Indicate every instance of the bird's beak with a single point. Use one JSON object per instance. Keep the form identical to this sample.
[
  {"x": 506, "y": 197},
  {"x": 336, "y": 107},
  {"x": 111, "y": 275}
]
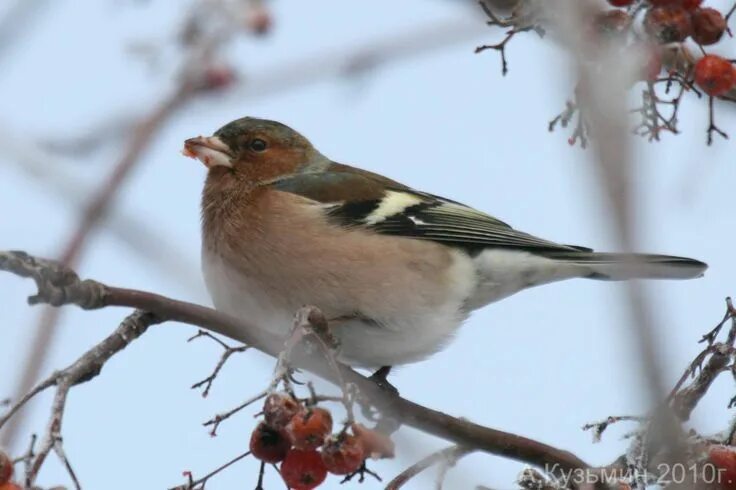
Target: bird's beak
[{"x": 209, "y": 150}]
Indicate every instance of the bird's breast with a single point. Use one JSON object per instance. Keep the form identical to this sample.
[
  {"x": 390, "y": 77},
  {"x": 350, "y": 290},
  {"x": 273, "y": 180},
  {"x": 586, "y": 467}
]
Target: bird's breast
[{"x": 392, "y": 299}]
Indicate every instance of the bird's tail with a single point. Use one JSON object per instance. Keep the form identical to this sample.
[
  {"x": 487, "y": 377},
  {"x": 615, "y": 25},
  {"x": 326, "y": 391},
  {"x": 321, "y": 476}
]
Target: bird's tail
[{"x": 618, "y": 267}]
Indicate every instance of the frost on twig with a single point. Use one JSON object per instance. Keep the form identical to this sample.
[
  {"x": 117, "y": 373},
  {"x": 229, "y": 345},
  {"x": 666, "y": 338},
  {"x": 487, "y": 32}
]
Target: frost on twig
[
  {"x": 228, "y": 351},
  {"x": 597, "y": 428},
  {"x": 531, "y": 479},
  {"x": 57, "y": 284}
]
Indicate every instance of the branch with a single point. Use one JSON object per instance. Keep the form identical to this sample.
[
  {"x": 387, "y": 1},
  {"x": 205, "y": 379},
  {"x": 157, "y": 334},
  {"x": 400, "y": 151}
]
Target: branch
[
  {"x": 56, "y": 282},
  {"x": 447, "y": 455},
  {"x": 200, "y": 482},
  {"x": 80, "y": 371},
  {"x": 143, "y": 135},
  {"x": 227, "y": 352}
]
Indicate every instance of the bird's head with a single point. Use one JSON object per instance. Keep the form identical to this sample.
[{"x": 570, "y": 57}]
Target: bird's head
[{"x": 254, "y": 150}]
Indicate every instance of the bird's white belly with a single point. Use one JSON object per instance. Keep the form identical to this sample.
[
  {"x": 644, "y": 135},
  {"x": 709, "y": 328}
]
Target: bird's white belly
[
  {"x": 234, "y": 294},
  {"x": 392, "y": 336}
]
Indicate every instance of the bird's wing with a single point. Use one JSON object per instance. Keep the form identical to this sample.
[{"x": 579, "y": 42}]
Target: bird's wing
[{"x": 355, "y": 198}]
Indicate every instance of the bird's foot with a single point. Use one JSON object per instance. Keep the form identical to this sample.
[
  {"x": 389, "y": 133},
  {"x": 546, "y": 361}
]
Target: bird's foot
[{"x": 380, "y": 378}]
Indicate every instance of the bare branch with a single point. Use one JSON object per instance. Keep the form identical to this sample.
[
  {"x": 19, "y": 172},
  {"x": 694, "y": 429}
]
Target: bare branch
[
  {"x": 220, "y": 417},
  {"x": 599, "y": 427},
  {"x": 452, "y": 453},
  {"x": 200, "y": 483},
  {"x": 228, "y": 351},
  {"x": 86, "y": 367},
  {"x": 685, "y": 401}
]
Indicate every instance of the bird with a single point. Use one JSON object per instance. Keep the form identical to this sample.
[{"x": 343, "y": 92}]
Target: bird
[{"x": 395, "y": 270}]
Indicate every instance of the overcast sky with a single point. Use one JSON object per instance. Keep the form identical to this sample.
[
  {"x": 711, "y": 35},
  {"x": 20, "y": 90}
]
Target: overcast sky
[{"x": 541, "y": 363}]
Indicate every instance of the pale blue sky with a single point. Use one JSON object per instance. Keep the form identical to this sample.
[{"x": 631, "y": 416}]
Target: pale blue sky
[{"x": 541, "y": 363}]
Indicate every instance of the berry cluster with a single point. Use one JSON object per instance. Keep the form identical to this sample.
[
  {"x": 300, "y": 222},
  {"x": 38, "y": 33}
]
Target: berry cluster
[
  {"x": 663, "y": 31},
  {"x": 674, "y": 21},
  {"x": 6, "y": 473},
  {"x": 299, "y": 436}
]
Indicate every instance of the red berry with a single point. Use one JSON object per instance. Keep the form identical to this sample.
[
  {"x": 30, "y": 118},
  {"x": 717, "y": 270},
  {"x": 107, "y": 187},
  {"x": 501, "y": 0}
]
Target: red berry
[
  {"x": 691, "y": 4},
  {"x": 375, "y": 444},
  {"x": 6, "y": 467},
  {"x": 269, "y": 444},
  {"x": 708, "y": 26},
  {"x": 303, "y": 470},
  {"x": 10, "y": 486},
  {"x": 668, "y": 24},
  {"x": 343, "y": 454},
  {"x": 724, "y": 459},
  {"x": 309, "y": 428},
  {"x": 620, "y": 3},
  {"x": 278, "y": 409},
  {"x": 715, "y": 75}
]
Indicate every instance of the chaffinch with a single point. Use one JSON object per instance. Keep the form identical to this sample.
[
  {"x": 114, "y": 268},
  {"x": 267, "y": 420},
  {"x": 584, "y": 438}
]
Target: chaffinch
[{"x": 395, "y": 270}]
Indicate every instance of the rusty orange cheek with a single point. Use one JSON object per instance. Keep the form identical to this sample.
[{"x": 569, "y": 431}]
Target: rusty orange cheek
[{"x": 275, "y": 162}]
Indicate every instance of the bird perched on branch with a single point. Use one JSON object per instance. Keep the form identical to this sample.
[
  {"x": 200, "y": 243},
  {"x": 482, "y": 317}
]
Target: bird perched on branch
[{"x": 394, "y": 269}]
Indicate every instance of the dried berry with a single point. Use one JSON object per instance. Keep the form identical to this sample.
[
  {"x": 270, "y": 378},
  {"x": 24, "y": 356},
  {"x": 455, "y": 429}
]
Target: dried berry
[
  {"x": 309, "y": 428},
  {"x": 708, "y": 26},
  {"x": 343, "y": 454},
  {"x": 303, "y": 470},
  {"x": 715, "y": 75},
  {"x": 620, "y": 3},
  {"x": 278, "y": 409},
  {"x": 668, "y": 24},
  {"x": 375, "y": 444},
  {"x": 269, "y": 444}
]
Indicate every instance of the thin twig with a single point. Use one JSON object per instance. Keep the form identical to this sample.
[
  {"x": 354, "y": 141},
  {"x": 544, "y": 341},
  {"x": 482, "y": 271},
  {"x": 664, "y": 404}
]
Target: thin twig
[
  {"x": 199, "y": 483},
  {"x": 227, "y": 352},
  {"x": 220, "y": 417},
  {"x": 599, "y": 427},
  {"x": 452, "y": 453}
]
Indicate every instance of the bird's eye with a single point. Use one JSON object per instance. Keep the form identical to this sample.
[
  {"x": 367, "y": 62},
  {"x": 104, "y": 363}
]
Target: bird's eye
[{"x": 258, "y": 145}]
